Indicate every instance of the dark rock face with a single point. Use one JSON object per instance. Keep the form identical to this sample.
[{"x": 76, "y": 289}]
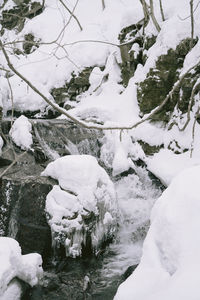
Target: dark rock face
[
  {"x": 77, "y": 85},
  {"x": 129, "y": 61},
  {"x": 128, "y": 272},
  {"x": 128, "y": 37},
  {"x": 22, "y": 212},
  {"x": 15, "y": 17},
  {"x": 59, "y": 138},
  {"x": 160, "y": 80},
  {"x": 23, "y": 191}
]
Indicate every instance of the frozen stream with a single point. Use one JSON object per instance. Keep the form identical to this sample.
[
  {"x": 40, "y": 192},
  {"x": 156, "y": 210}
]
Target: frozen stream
[
  {"x": 136, "y": 195},
  {"x": 99, "y": 278}
]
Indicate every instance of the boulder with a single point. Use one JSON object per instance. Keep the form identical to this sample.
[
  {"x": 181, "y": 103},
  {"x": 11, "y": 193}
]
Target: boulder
[{"x": 82, "y": 209}]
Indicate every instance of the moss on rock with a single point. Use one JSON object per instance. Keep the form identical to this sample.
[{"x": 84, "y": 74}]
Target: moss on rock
[
  {"x": 77, "y": 85},
  {"x": 160, "y": 80},
  {"x": 15, "y": 17}
]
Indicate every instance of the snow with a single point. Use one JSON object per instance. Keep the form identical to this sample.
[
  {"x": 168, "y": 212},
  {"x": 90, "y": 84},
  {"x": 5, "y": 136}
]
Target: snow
[
  {"x": 84, "y": 190},
  {"x": 20, "y": 133},
  {"x": 14, "y": 265},
  {"x": 166, "y": 164},
  {"x": 1, "y": 144},
  {"x": 169, "y": 265}
]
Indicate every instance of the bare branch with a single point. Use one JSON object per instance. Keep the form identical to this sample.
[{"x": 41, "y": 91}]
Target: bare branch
[
  {"x": 192, "y": 23},
  {"x": 183, "y": 19},
  {"x": 11, "y": 97},
  {"x": 153, "y": 16},
  {"x": 103, "y": 4},
  {"x": 72, "y": 14},
  {"x": 193, "y": 131},
  {"x": 194, "y": 89},
  {"x": 161, "y": 10},
  {"x": 12, "y": 164},
  {"x": 146, "y": 13}
]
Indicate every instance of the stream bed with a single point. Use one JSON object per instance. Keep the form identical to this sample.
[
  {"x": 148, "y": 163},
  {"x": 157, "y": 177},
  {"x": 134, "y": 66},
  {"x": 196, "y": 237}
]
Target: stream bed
[{"x": 99, "y": 277}]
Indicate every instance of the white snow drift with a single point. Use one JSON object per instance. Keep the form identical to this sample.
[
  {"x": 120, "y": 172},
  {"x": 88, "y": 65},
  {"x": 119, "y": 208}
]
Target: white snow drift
[
  {"x": 14, "y": 265},
  {"x": 169, "y": 268}
]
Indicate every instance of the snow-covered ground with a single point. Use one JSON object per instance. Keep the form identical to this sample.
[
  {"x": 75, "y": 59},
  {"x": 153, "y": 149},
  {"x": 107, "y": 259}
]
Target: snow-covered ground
[{"x": 13, "y": 265}]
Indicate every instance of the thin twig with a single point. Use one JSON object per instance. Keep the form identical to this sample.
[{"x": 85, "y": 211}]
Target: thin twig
[
  {"x": 183, "y": 19},
  {"x": 194, "y": 89},
  {"x": 161, "y": 10},
  {"x": 72, "y": 14},
  {"x": 193, "y": 131},
  {"x": 12, "y": 100},
  {"x": 153, "y": 16},
  {"x": 12, "y": 164},
  {"x": 192, "y": 23}
]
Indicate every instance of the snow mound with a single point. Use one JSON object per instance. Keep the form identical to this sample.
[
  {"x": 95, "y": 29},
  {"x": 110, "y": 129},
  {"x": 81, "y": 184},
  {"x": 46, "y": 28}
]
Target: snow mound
[
  {"x": 14, "y": 265},
  {"x": 169, "y": 268},
  {"x": 21, "y": 133},
  {"x": 166, "y": 165},
  {"x": 83, "y": 206}
]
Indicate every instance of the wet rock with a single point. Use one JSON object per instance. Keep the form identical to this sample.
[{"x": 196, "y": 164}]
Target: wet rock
[
  {"x": 160, "y": 80},
  {"x": 125, "y": 173},
  {"x": 128, "y": 272},
  {"x": 77, "y": 85},
  {"x": 132, "y": 49},
  {"x": 23, "y": 215},
  {"x": 64, "y": 138},
  {"x": 148, "y": 149},
  {"x": 15, "y": 17},
  {"x": 29, "y": 44},
  {"x": 23, "y": 192}
]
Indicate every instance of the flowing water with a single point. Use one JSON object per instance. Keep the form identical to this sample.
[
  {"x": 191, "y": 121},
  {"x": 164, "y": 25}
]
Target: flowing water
[{"x": 99, "y": 278}]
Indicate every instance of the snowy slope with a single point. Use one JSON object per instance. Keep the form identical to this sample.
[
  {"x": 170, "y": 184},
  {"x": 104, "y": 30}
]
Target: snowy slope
[{"x": 169, "y": 268}]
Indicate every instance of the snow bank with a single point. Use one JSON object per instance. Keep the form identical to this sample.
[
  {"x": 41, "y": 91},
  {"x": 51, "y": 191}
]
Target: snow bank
[
  {"x": 21, "y": 133},
  {"x": 14, "y": 265},
  {"x": 83, "y": 204},
  {"x": 166, "y": 165},
  {"x": 169, "y": 268}
]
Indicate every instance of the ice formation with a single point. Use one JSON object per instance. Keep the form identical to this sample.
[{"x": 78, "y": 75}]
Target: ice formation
[{"x": 82, "y": 209}]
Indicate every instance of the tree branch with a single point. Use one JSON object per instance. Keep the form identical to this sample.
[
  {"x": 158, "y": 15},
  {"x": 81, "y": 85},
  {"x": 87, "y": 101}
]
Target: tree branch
[
  {"x": 72, "y": 14},
  {"x": 161, "y": 10},
  {"x": 153, "y": 16},
  {"x": 194, "y": 89},
  {"x": 192, "y": 23}
]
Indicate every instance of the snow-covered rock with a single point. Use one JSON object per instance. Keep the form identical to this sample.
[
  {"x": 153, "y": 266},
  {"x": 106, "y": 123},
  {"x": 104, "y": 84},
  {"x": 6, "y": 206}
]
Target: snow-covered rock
[
  {"x": 21, "y": 133},
  {"x": 83, "y": 208},
  {"x": 166, "y": 165},
  {"x": 13, "y": 264},
  {"x": 169, "y": 268}
]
